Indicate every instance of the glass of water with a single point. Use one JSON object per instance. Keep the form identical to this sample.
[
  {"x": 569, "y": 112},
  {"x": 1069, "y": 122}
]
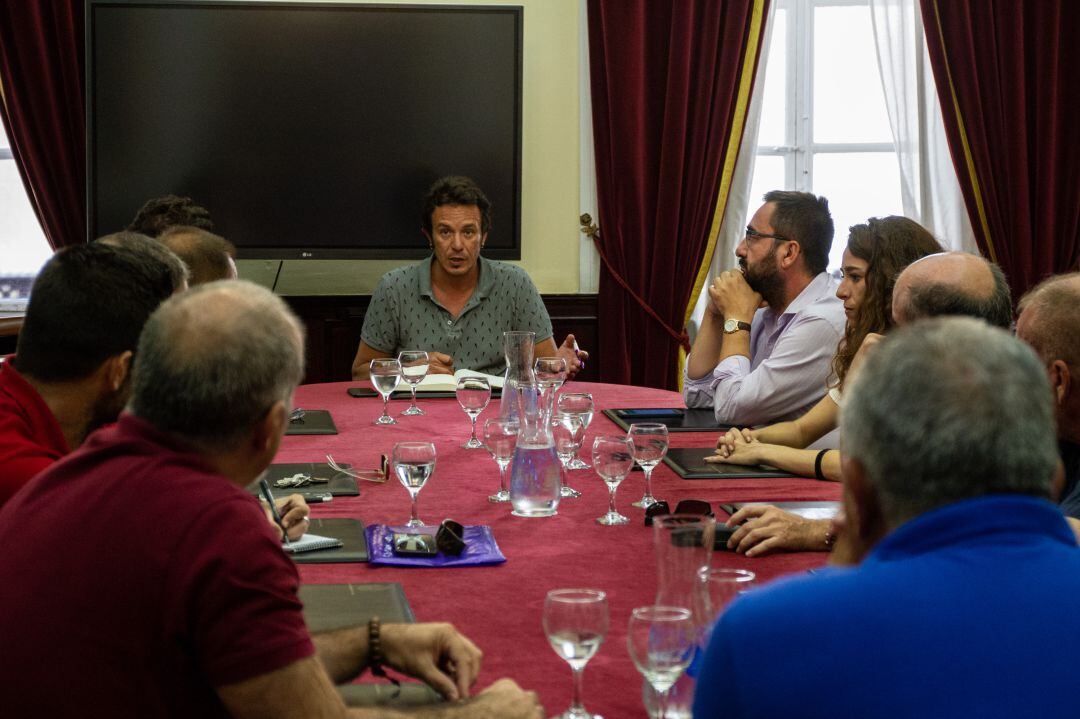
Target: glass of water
[
  {"x": 650, "y": 445},
  {"x": 473, "y": 394},
  {"x": 612, "y": 457},
  {"x": 661, "y": 641},
  {"x": 500, "y": 436},
  {"x": 385, "y": 375},
  {"x": 581, "y": 404},
  {"x": 576, "y": 622},
  {"x": 414, "y": 367},
  {"x": 550, "y": 374},
  {"x": 567, "y": 432},
  {"x": 413, "y": 464}
]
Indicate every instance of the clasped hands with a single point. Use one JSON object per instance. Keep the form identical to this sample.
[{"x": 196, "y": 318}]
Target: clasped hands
[
  {"x": 438, "y": 654},
  {"x": 730, "y": 296}
]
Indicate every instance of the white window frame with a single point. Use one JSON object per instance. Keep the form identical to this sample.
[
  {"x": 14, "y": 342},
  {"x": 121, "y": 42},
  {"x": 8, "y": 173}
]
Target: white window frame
[{"x": 800, "y": 148}]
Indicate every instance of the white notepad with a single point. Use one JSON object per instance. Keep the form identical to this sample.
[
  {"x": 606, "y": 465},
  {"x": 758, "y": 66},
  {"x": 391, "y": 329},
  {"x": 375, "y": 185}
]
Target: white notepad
[
  {"x": 311, "y": 542},
  {"x": 448, "y": 383}
]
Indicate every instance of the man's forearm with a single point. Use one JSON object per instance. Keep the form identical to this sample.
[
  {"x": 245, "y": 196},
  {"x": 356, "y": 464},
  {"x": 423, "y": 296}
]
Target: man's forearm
[
  {"x": 705, "y": 354},
  {"x": 343, "y": 652}
]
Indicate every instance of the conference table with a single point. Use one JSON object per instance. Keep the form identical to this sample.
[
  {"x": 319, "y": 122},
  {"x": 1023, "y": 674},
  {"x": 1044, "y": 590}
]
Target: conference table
[{"x": 500, "y": 606}]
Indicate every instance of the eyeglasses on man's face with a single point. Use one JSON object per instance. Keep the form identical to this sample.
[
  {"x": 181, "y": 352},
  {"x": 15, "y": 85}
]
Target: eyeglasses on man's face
[{"x": 752, "y": 234}]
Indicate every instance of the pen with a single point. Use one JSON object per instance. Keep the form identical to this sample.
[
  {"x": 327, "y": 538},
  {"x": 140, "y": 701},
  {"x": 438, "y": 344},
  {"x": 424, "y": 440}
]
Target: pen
[
  {"x": 577, "y": 353},
  {"x": 269, "y": 497}
]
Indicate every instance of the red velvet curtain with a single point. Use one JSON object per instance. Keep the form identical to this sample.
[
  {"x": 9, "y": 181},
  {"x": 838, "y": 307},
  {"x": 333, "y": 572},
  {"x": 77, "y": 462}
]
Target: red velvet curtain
[
  {"x": 668, "y": 89},
  {"x": 41, "y": 75},
  {"x": 1008, "y": 75}
]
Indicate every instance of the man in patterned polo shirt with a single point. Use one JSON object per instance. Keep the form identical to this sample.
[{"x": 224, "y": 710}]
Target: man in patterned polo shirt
[{"x": 456, "y": 304}]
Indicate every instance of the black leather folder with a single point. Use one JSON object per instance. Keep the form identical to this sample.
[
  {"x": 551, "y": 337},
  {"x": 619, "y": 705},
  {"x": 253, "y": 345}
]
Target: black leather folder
[
  {"x": 349, "y": 531},
  {"x": 333, "y": 606},
  {"x": 689, "y": 463},
  {"x": 314, "y": 421},
  {"x": 677, "y": 419},
  {"x": 340, "y": 484}
]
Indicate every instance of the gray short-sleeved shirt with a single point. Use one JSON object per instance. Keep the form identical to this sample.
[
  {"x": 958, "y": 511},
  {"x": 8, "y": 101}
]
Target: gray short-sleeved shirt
[{"x": 405, "y": 315}]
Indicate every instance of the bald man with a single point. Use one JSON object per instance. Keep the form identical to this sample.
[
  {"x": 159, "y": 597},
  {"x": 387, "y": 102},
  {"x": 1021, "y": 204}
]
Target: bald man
[
  {"x": 952, "y": 283},
  {"x": 209, "y": 257},
  {"x": 1049, "y": 321}
]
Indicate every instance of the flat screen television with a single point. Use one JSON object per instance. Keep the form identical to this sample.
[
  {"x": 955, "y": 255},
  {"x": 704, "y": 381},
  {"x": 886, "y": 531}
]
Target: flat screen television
[{"x": 309, "y": 130}]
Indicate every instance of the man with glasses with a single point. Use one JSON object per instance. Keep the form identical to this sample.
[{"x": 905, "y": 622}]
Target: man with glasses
[{"x": 770, "y": 328}]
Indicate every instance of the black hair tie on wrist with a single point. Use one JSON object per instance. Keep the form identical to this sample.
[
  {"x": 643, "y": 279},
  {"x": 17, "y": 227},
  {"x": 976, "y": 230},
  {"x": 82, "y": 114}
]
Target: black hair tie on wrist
[{"x": 817, "y": 465}]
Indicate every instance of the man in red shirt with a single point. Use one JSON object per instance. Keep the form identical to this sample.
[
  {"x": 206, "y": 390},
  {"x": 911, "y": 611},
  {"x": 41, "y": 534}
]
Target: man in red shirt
[
  {"x": 70, "y": 372},
  {"x": 148, "y": 583}
]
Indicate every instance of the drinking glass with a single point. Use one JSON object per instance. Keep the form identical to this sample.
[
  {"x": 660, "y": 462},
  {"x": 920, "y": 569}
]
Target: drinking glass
[
  {"x": 500, "y": 436},
  {"x": 567, "y": 431},
  {"x": 413, "y": 464},
  {"x": 650, "y": 445},
  {"x": 576, "y": 622},
  {"x": 550, "y": 374},
  {"x": 661, "y": 643},
  {"x": 721, "y": 585},
  {"x": 385, "y": 375},
  {"x": 414, "y": 367},
  {"x": 473, "y": 394},
  {"x": 581, "y": 404},
  {"x": 612, "y": 457}
]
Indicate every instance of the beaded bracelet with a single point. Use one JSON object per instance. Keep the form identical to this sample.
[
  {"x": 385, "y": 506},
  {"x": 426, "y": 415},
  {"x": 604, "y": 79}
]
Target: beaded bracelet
[{"x": 375, "y": 654}]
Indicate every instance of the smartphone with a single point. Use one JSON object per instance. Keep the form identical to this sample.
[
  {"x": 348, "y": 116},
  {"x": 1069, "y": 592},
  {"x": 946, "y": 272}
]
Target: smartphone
[{"x": 362, "y": 392}]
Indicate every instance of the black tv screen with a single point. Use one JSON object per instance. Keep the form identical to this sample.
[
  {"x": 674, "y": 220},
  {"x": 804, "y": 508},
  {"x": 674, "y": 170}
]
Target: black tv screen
[{"x": 308, "y": 130}]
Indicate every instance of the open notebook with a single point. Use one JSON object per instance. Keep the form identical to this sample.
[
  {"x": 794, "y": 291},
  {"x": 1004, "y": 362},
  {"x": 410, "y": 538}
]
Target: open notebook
[{"x": 448, "y": 383}]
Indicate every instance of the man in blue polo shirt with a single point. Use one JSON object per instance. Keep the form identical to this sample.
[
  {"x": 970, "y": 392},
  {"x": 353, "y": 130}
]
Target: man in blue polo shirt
[
  {"x": 965, "y": 604},
  {"x": 456, "y": 304}
]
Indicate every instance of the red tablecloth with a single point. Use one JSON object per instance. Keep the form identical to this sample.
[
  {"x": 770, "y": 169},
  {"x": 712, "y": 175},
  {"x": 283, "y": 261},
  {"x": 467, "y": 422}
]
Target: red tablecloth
[{"x": 499, "y": 607}]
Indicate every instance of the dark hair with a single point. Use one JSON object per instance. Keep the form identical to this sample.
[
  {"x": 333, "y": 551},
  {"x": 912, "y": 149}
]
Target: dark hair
[
  {"x": 171, "y": 266},
  {"x": 887, "y": 245},
  {"x": 160, "y": 213},
  {"x": 88, "y": 303},
  {"x": 804, "y": 218},
  {"x": 206, "y": 254},
  {"x": 456, "y": 190},
  {"x": 938, "y": 300}
]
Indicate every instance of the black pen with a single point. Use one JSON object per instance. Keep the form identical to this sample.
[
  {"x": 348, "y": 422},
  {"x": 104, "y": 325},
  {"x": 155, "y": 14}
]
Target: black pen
[{"x": 269, "y": 497}]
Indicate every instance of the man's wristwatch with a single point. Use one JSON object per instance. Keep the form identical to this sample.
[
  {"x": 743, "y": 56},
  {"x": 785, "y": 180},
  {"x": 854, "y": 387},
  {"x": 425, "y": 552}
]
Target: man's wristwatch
[{"x": 733, "y": 326}]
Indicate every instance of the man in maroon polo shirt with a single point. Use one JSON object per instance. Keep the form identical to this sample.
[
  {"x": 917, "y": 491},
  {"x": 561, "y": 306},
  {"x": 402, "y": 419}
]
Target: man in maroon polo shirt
[
  {"x": 70, "y": 372},
  {"x": 145, "y": 581}
]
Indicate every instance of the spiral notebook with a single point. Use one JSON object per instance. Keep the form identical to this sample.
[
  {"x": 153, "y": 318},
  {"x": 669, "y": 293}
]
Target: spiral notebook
[{"x": 311, "y": 542}]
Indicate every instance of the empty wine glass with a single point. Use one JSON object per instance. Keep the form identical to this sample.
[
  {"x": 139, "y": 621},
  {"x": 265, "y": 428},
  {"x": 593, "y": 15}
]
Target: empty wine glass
[
  {"x": 612, "y": 457},
  {"x": 661, "y": 642},
  {"x": 413, "y": 464},
  {"x": 650, "y": 445},
  {"x": 385, "y": 375},
  {"x": 581, "y": 404},
  {"x": 550, "y": 374},
  {"x": 576, "y": 622},
  {"x": 473, "y": 394},
  {"x": 414, "y": 367},
  {"x": 500, "y": 436},
  {"x": 567, "y": 432}
]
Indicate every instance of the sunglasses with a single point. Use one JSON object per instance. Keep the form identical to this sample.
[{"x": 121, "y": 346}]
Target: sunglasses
[{"x": 687, "y": 506}]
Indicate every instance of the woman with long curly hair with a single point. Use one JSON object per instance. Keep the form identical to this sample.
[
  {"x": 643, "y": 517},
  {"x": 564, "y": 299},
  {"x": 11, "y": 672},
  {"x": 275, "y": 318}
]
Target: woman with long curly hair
[{"x": 877, "y": 251}]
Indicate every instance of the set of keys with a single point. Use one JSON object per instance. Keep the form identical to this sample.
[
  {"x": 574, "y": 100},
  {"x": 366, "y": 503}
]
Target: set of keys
[{"x": 299, "y": 480}]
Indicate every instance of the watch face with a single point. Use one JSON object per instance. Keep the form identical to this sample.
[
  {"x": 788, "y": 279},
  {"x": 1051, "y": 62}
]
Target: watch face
[{"x": 730, "y": 326}]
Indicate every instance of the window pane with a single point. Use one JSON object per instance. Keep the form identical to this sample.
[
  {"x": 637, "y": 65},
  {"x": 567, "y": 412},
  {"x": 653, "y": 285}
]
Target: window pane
[
  {"x": 858, "y": 186},
  {"x": 23, "y": 249},
  {"x": 849, "y": 103},
  {"x": 774, "y": 102},
  {"x": 768, "y": 175}
]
